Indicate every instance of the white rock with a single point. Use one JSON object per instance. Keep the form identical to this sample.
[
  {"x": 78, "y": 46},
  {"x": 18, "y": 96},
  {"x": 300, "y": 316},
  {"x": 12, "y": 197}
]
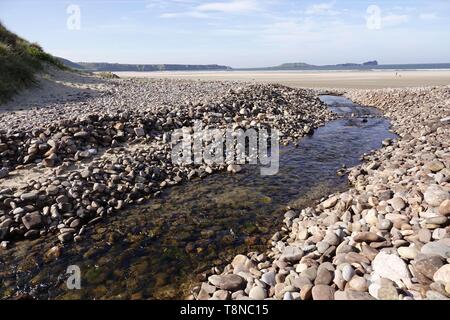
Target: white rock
[
  {"x": 435, "y": 195},
  {"x": 409, "y": 253},
  {"x": 373, "y": 289},
  {"x": 443, "y": 274},
  {"x": 348, "y": 272},
  {"x": 257, "y": 293},
  {"x": 291, "y": 254},
  {"x": 329, "y": 203},
  {"x": 269, "y": 278},
  {"x": 390, "y": 266}
]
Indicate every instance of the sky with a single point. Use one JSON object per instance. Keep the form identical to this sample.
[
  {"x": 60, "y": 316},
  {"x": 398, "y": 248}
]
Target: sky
[{"x": 237, "y": 33}]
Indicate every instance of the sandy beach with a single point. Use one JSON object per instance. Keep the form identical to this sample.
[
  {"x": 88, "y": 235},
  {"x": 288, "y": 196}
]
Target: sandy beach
[{"x": 331, "y": 79}]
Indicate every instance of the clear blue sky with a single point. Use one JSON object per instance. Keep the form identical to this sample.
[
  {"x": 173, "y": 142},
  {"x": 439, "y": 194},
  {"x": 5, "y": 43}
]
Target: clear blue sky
[{"x": 239, "y": 33}]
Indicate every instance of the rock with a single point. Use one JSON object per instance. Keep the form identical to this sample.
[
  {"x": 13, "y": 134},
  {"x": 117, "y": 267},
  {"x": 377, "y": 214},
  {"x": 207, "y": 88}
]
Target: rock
[
  {"x": 424, "y": 235},
  {"x": 434, "y": 166},
  {"x": 340, "y": 296},
  {"x": 435, "y": 195},
  {"x": 447, "y": 288},
  {"x": 81, "y": 135},
  {"x": 221, "y": 295},
  {"x": 75, "y": 223},
  {"x": 257, "y": 293},
  {"x": 348, "y": 272},
  {"x": 434, "y": 295},
  {"x": 310, "y": 273},
  {"x": 439, "y": 233},
  {"x": 301, "y": 281},
  {"x": 353, "y": 257},
  {"x": 338, "y": 280},
  {"x": 241, "y": 263},
  {"x": 291, "y": 254},
  {"x": 269, "y": 278},
  {"x": 331, "y": 238},
  {"x": 372, "y": 217},
  {"x": 358, "y": 295},
  {"x": 290, "y": 214},
  {"x": 4, "y": 232},
  {"x": 408, "y": 253},
  {"x": 65, "y": 237},
  {"x": 428, "y": 265},
  {"x": 385, "y": 224},
  {"x": 322, "y": 246},
  {"x": 368, "y": 237},
  {"x": 443, "y": 274},
  {"x": 440, "y": 248},
  {"x": 397, "y": 203},
  {"x": 207, "y": 288},
  {"x": 444, "y": 208},
  {"x": 4, "y": 172},
  {"x": 288, "y": 296},
  {"x": 29, "y": 196},
  {"x": 52, "y": 190},
  {"x": 31, "y": 234},
  {"x": 234, "y": 168},
  {"x": 139, "y": 132},
  {"x": 436, "y": 220},
  {"x": 358, "y": 284},
  {"x": 390, "y": 266},
  {"x": 5, "y": 224},
  {"x": 386, "y": 142},
  {"x": 83, "y": 155},
  {"x": 322, "y": 292},
  {"x": 61, "y": 199},
  {"x": 203, "y": 295},
  {"x": 387, "y": 292},
  {"x": 99, "y": 187},
  {"x": 231, "y": 282},
  {"x": 368, "y": 253},
  {"x": 324, "y": 276},
  {"x": 331, "y": 202},
  {"x": 32, "y": 220},
  {"x": 53, "y": 253},
  {"x": 374, "y": 287},
  {"x": 306, "y": 292}
]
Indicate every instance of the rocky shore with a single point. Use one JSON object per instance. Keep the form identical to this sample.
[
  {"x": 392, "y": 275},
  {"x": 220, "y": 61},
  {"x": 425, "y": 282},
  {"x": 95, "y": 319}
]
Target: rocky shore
[
  {"x": 387, "y": 237},
  {"x": 68, "y": 165}
]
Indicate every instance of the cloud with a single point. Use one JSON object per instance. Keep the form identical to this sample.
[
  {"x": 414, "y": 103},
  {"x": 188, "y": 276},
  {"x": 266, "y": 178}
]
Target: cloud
[
  {"x": 392, "y": 20},
  {"x": 235, "y": 6},
  {"x": 189, "y": 14},
  {"x": 207, "y": 9},
  {"x": 322, "y": 9},
  {"x": 166, "y": 3},
  {"x": 428, "y": 16}
]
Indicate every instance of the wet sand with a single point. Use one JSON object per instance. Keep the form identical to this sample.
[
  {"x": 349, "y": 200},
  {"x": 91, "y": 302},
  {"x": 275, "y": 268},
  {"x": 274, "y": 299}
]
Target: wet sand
[{"x": 323, "y": 79}]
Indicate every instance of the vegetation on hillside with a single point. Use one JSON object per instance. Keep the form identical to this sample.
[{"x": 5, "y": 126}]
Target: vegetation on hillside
[{"x": 19, "y": 61}]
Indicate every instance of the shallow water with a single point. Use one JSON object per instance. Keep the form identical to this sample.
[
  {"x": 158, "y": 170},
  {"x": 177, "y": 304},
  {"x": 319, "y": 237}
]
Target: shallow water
[{"x": 159, "y": 249}]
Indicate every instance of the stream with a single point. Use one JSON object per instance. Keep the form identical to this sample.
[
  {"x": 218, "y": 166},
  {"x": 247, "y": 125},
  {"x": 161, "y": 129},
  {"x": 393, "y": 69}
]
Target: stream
[{"x": 161, "y": 249}]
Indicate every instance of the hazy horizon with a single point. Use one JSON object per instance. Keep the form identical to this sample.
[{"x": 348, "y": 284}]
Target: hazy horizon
[{"x": 235, "y": 33}]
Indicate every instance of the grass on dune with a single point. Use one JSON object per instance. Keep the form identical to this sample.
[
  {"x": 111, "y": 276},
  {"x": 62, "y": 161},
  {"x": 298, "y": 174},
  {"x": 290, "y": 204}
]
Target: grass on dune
[{"x": 19, "y": 61}]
